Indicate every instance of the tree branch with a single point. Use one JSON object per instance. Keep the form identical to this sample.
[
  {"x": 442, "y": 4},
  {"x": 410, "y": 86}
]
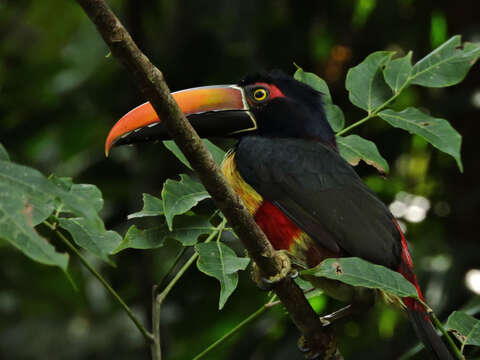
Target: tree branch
[{"x": 153, "y": 86}]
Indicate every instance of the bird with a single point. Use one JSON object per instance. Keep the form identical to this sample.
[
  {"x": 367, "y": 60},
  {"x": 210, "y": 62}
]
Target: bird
[{"x": 287, "y": 169}]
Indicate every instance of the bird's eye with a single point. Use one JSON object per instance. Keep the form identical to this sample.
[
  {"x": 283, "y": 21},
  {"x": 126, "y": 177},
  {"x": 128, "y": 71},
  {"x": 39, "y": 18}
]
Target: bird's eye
[{"x": 260, "y": 94}]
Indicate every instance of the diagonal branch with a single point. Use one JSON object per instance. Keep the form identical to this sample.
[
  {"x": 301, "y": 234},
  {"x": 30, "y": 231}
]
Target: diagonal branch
[{"x": 153, "y": 86}]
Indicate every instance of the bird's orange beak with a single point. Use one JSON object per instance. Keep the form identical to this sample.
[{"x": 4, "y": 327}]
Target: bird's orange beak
[{"x": 212, "y": 111}]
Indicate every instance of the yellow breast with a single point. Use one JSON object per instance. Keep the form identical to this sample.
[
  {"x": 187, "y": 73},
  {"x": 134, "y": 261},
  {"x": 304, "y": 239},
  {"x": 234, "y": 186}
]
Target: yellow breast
[{"x": 250, "y": 198}]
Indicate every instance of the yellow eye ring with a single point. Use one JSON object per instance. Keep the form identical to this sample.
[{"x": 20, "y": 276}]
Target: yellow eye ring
[{"x": 260, "y": 94}]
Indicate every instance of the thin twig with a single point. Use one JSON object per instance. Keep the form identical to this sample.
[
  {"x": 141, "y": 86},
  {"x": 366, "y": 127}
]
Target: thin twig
[
  {"x": 146, "y": 334},
  {"x": 237, "y": 328},
  {"x": 439, "y": 326},
  {"x": 450, "y": 341},
  {"x": 374, "y": 113},
  {"x": 158, "y": 298},
  {"x": 173, "y": 266},
  {"x": 218, "y": 231},
  {"x": 156, "y": 346}
]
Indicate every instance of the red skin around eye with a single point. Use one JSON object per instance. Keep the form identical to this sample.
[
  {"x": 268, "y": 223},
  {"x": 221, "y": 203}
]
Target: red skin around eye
[{"x": 274, "y": 91}]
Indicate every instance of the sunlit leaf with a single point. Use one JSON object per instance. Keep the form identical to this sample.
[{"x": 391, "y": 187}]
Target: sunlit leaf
[
  {"x": 397, "y": 72},
  {"x": 217, "y": 153},
  {"x": 354, "y": 148},
  {"x": 16, "y": 227},
  {"x": 186, "y": 230},
  {"x": 334, "y": 114},
  {"x": 98, "y": 241},
  {"x": 465, "y": 327},
  {"x": 365, "y": 83},
  {"x": 436, "y": 131},
  {"x": 180, "y": 196},
  {"x": 219, "y": 261},
  {"x": 358, "y": 272},
  {"x": 152, "y": 206},
  {"x": 3, "y": 153},
  {"x": 447, "y": 65}
]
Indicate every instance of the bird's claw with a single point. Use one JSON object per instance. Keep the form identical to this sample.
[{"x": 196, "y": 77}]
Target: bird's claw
[
  {"x": 265, "y": 283},
  {"x": 306, "y": 350}
]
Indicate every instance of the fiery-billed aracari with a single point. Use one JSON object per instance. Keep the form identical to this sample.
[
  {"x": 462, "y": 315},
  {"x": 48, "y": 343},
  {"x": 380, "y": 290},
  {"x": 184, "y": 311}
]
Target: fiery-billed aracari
[{"x": 287, "y": 170}]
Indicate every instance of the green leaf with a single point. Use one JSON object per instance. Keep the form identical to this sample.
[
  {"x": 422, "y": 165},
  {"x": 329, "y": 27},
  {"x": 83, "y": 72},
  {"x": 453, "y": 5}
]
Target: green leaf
[
  {"x": 83, "y": 200},
  {"x": 365, "y": 82},
  {"x": 465, "y": 327},
  {"x": 354, "y": 148},
  {"x": 152, "y": 206},
  {"x": 447, "y": 65},
  {"x": 86, "y": 192},
  {"x": 333, "y": 112},
  {"x": 45, "y": 195},
  {"x": 16, "y": 227},
  {"x": 335, "y": 116},
  {"x": 37, "y": 191},
  {"x": 358, "y": 272},
  {"x": 397, "y": 72},
  {"x": 87, "y": 235},
  {"x": 142, "y": 239},
  {"x": 217, "y": 153},
  {"x": 64, "y": 183},
  {"x": 221, "y": 262},
  {"x": 437, "y": 132},
  {"x": 3, "y": 153},
  {"x": 314, "y": 81},
  {"x": 180, "y": 196},
  {"x": 186, "y": 230}
]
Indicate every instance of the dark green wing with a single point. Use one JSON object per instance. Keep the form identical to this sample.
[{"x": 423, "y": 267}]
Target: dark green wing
[{"x": 319, "y": 191}]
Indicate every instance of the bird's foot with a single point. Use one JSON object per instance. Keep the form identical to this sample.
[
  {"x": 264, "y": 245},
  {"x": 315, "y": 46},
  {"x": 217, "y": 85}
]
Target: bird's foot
[
  {"x": 324, "y": 345},
  {"x": 267, "y": 283},
  {"x": 306, "y": 350}
]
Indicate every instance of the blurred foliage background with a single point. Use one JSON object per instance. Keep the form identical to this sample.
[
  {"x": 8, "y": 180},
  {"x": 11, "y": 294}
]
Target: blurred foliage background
[{"x": 60, "y": 93}]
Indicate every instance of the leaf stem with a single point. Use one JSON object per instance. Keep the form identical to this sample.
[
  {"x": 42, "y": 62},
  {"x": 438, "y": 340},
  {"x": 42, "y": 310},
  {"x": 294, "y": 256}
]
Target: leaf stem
[
  {"x": 146, "y": 334},
  {"x": 237, "y": 328},
  {"x": 439, "y": 325},
  {"x": 450, "y": 341},
  {"x": 174, "y": 264},
  {"x": 218, "y": 231},
  {"x": 158, "y": 298},
  {"x": 375, "y": 112},
  {"x": 355, "y": 124}
]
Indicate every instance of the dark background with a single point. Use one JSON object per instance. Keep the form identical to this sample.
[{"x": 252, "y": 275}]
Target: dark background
[{"x": 60, "y": 93}]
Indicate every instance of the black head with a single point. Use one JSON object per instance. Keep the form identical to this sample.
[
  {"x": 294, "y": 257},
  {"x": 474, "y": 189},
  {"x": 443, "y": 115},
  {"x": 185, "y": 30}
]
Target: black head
[{"x": 285, "y": 107}]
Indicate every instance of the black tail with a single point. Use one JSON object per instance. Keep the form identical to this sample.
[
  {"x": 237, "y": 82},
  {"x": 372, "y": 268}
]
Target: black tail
[{"x": 427, "y": 334}]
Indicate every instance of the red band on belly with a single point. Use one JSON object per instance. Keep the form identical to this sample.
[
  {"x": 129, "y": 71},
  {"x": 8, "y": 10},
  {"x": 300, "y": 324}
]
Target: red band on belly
[{"x": 280, "y": 230}]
